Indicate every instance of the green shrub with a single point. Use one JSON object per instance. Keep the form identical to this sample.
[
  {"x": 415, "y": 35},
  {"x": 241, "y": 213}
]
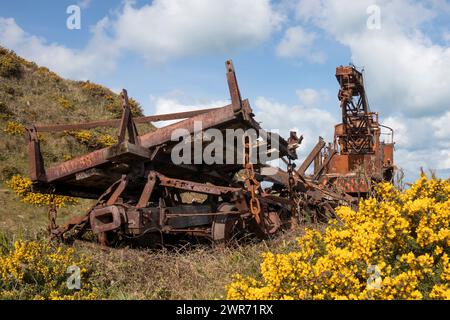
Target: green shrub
[
  {"x": 4, "y": 110},
  {"x": 9, "y": 66},
  {"x": 7, "y": 89},
  {"x": 114, "y": 106},
  {"x": 94, "y": 89},
  {"x": 39, "y": 270},
  {"x": 8, "y": 172},
  {"x": 47, "y": 74},
  {"x": 65, "y": 103},
  {"x": 3, "y": 51}
]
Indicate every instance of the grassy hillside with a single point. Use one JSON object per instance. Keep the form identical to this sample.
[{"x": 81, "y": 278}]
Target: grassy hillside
[{"x": 32, "y": 95}]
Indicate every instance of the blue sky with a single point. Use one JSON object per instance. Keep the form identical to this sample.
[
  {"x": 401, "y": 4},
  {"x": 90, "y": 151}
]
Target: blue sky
[{"x": 170, "y": 56}]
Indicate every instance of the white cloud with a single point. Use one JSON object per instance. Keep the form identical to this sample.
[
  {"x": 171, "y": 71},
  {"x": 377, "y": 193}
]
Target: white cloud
[
  {"x": 421, "y": 142},
  {"x": 98, "y": 56},
  {"x": 311, "y": 98},
  {"x": 84, "y": 4},
  {"x": 446, "y": 36},
  {"x": 405, "y": 71},
  {"x": 179, "y": 102},
  {"x": 307, "y": 121},
  {"x": 172, "y": 28},
  {"x": 434, "y": 160},
  {"x": 441, "y": 128},
  {"x": 297, "y": 43},
  {"x": 160, "y": 31}
]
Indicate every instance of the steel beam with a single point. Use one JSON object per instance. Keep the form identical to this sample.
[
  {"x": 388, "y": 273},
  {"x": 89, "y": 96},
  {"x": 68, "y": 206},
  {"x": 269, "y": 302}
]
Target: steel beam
[
  {"x": 116, "y": 122},
  {"x": 310, "y": 158}
]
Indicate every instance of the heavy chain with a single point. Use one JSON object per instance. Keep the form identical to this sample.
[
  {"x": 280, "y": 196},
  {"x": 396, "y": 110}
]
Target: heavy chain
[
  {"x": 293, "y": 195},
  {"x": 52, "y": 214},
  {"x": 291, "y": 180},
  {"x": 250, "y": 181}
]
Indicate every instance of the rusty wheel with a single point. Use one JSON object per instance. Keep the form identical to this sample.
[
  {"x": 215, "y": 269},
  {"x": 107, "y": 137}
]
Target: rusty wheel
[
  {"x": 107, "y": 238},
  {"x": 223, "y": 225},
  {"x": 272, "y": 222}
]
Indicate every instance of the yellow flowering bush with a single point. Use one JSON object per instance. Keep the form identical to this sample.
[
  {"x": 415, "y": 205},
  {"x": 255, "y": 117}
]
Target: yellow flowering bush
[
  {"x": 13, "y": 128},
  {"x": 105, "y": 140},
  {"x": 22, "y": 188},
  {"x": 65, "y": 103},
  {"x": 46, "y": 73},
  {"x": 40, "y": 270},
  {"x": 114, "y": 105},
  {"x": 10, "y": 66},
  {"x": 396, "y": 246},
  {"x": 94, "y": 89},
  {"x": 82, "y": 136},
  {"x": 92, "y": 140}
]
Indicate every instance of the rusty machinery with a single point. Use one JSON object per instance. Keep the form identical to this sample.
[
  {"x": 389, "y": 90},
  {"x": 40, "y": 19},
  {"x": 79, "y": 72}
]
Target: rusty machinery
[
  {"x": 141, "y": 192},
  {"x": 358, "y": 157}
]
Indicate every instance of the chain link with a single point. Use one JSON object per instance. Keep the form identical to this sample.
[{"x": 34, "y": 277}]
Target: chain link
[
  {"x": 52, "y": 214},
  {"x": 250, "y": 181}
]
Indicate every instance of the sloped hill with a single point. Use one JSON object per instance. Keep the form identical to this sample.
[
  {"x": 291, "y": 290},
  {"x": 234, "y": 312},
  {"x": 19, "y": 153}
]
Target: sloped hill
[{"x": 30, "y": 94}]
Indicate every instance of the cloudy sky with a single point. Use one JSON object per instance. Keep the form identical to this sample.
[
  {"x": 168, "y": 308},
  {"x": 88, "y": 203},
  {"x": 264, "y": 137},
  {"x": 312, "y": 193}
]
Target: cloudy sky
[{"x": 170, "y": 55}]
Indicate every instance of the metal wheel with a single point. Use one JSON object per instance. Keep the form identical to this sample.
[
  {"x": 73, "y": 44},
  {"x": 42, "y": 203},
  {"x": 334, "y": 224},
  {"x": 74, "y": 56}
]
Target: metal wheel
[{"x": 223, "y": 225}]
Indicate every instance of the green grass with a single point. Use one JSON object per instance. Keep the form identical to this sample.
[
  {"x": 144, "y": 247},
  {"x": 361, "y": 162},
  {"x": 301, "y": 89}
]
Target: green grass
[
  {"x": 34, "y": 95},
  {"x": 192, "y": 271}
]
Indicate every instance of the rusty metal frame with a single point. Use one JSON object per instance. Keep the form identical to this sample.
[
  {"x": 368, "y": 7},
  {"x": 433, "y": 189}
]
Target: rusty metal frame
[
  {"x": 195, "y": 186},
  {"x": 311, "y": 156},
  {"x": 357, "y": 119},
  {"x": 35, "y": 161},
  {"x": 118, "y": 191},
  {"x": 148, "y": 189},
  {"x": 148, "y": 193},
  {"x": 127, "y": 124}
]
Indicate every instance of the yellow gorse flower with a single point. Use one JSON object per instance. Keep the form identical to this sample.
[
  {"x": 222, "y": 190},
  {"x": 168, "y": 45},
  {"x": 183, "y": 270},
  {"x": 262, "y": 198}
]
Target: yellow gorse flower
[
  {"x": 40, "y": 270},
  {"x": 92, "y": 140},
  {"x": 396, "y": 246},
  {"x": 106, "y": 140},
  {"x": 22, "y": 188},
  {"x": 14, "y": 128}
]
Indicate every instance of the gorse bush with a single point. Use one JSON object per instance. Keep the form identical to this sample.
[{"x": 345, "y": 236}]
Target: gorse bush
[
  {"x": 114, "y": 105},
  {"x": 65, "y": 103},
  {"x": 92, "y": 140},
  {"x": 22, "y": 188},
  {"x": 396, "y": 246},
  {"x": 4, "y": 110},
  {"x": 13, "y": 128},
  {"x": 94, "y": 89},
  {"x": 39, "y": 270},
  {"x": 47, "y": 74},
  {"x": 82, "y": 136},
  {"x": 105, "y": 140},
  {"x": 10, "y": 66}
]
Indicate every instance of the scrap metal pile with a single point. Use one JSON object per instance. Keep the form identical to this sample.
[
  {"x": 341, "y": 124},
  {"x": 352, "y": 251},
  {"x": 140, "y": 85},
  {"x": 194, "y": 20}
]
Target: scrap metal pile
[{"x": 141, "y": 192}]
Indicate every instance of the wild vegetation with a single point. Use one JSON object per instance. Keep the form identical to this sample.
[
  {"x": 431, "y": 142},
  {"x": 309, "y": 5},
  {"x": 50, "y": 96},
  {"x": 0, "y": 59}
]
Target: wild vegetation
[
  {"x": 395, "y": 246},
  {"x": 31, "y": 95}
]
